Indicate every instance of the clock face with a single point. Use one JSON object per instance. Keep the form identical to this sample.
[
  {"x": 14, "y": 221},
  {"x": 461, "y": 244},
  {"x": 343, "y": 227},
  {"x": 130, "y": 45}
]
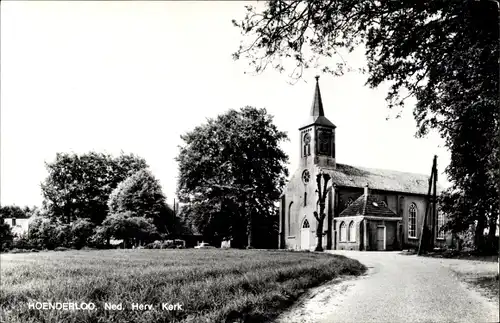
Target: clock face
[
  {"x": 307, "y": 138},
  {"x": 306, "y": 176}
]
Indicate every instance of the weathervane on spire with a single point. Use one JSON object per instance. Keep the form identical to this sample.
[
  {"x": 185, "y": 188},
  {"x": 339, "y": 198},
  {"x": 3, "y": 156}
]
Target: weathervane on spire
[{"x": 317, "y": 78}]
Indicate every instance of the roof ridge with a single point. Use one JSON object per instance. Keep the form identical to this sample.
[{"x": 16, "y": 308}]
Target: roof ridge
[
  {"x": 363, "y": 208},
  {"x": 383, "y": 169}
]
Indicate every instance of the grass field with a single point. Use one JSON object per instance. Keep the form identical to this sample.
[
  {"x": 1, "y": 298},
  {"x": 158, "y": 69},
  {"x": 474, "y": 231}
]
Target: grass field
[{"x": 211, "y": 285}]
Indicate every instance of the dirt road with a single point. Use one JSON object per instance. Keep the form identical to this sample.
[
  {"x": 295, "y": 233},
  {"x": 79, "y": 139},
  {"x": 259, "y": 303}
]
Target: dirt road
[{"x": 399, "y": 288}]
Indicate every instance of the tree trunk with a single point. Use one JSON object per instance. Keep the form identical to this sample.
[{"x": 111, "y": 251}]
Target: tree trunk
[
  {"x": 479, "y": 235},
  {"x": 329, "y": 220},
  {"x": 322, "y": 193},
  {"x": 492, "y": 239},
  {"x": 249, "y": 231},
  {"x": 319, "y": 233}
]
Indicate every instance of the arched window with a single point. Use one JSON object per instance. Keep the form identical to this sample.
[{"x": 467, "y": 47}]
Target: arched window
[
  {"x": 412, "y": 221},
  {"x": 343, "y": 232},
  {"x": 290, "y": 218},
  {"x": 440, "y": 224},
  {"x": 305, "y": 225},
  {"x": 352, "y": 232},
  {"x": 307, "y": 144}
]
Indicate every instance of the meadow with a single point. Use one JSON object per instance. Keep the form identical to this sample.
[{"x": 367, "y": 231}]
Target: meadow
[{"x": 211, "y": 285}]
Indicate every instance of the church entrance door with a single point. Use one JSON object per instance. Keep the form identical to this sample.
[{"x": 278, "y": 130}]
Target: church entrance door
[
  {"x": 380, "y": 238},
  {"x": 305, "y": 238}
]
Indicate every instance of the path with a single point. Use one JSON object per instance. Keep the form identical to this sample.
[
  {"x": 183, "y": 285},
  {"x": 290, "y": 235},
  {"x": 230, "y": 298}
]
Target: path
[{"x": 399, "y": 288}]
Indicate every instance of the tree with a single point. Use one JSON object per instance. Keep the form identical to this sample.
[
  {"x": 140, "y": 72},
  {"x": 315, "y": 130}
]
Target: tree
[
  {"x": 320, "y": 218},
  {"x": 127, "y": 227},
  {"x": 442, "y": 53},
  {"x": 231, "y": 172},
  {"x": 13, "y": 211},
  {"x": 473, "y": 199},
  {"x": 141, "y": 194},
  {"x": 78, "y": 186},
  {"x": 81, "y": 232},
  {"x": 6, "y": 236},
  {"x": 46, "y": 233}
]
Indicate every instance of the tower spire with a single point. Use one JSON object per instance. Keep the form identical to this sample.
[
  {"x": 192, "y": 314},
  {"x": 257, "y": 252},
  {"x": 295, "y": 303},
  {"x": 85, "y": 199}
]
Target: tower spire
[{"x": 317, "y": 105}]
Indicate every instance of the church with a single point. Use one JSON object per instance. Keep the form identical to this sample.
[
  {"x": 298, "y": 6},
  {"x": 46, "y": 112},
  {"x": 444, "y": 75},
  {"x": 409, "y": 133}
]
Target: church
[{"x": 366, "y": 208}]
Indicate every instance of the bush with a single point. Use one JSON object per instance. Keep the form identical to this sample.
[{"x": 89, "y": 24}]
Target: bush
[
  {"x": 22, "y": 242},
  {"x": 126, "y": 227},
  {"x": 466, "y": 239},
  {"x": 81, "y": 233},
  {"x": 46, "y": 234},
  {"x": 98, "y": 239},
  {"x": 168, "y": 244},
  {"x": 62, "y": 235},
  {"x": 6, "y": 237}
]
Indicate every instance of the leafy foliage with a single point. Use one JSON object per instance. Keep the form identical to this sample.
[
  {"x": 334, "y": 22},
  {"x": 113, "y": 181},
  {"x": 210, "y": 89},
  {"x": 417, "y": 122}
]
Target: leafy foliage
[
  {"x": 6, "y": 236},
  {"x": 128, "y": 227},
  {"x": 443, "y": 53},
  {"x": 78, "y": 186},
  {"x": 45, "y": 233},
  {"x": 22, "y": 242},
  {"x": 231, "y": 172},
  {"x": 14, "y": 211},
  {"x": 81, "y": 232},
  {"x": 142, "y": 196}
]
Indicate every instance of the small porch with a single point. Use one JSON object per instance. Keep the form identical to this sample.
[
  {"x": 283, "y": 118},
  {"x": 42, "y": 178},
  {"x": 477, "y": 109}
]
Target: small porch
[
  {"x": 368, "y": 233},
  {"x": 367, "y": 224},
  {"x": 381, "y": 233}
]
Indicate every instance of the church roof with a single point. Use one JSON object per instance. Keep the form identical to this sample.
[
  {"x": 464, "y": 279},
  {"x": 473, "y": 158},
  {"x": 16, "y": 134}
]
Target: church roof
[
  {"x": 317, "y": 115},
  {"x": 320, "y": 120},
  {"x": 379, "y": 179},
  {"x": 369, "y": 206}
]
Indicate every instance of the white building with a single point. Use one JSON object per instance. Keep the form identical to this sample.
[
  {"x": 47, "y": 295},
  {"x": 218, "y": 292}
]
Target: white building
[{"x": 19, "y": 226}]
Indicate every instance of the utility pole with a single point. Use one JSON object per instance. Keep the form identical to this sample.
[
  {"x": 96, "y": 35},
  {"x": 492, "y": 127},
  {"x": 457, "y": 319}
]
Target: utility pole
[
  {"x": 174, "y": 216},
  {"x": 424, "y": 243},
  {"x": 434, "y": 205}
]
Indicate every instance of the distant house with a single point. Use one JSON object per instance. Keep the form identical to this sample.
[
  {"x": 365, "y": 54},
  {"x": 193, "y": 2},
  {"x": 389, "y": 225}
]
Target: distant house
[
  {"x": 366, "y": 208},
  {"x": 19, "y": 226}
]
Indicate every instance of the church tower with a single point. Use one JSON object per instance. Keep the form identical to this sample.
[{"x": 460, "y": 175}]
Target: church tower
[{"x": 317, "y": 136}]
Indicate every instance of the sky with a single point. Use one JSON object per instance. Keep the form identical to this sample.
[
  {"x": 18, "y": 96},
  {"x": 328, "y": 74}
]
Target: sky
[{"x": 133, "y": 76}]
